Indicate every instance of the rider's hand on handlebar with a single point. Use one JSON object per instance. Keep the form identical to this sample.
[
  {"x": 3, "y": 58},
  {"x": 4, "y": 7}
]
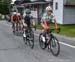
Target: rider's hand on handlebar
[{"x": 57, "y": 29}]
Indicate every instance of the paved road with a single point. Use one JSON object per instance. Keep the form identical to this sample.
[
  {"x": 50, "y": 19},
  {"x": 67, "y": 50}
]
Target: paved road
[{"x": 12, "y": 49}]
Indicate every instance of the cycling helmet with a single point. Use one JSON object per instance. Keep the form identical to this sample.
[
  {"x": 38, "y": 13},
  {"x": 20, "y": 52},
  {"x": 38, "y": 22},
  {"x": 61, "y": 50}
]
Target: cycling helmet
[
  {"x": 28, "y": 11},
  {"x": 48, "y": 8},
  {"x": 14, "y": 13}
]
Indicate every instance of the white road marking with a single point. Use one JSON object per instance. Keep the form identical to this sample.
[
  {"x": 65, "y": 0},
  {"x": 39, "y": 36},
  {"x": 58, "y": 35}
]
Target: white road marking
[
  {"x": 67, "y": 44},
  {"x": 61, "y": 42}
]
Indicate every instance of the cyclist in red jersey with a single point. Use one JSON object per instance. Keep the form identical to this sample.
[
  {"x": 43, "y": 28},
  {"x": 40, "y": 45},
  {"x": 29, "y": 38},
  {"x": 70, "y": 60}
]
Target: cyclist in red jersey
[{"x": 14, "y": 19}]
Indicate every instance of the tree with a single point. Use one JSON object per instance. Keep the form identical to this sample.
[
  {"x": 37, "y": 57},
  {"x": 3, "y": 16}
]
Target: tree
[{"x": 4, "y": 6}]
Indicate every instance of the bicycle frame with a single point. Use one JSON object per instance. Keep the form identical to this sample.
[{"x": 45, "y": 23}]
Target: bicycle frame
[{"x": 51, "y": 35}]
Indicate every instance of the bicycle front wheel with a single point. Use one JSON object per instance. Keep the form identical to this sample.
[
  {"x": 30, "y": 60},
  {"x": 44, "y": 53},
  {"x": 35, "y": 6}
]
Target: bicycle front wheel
[
  {"x": 24, "y": 37},
  {"x": 54, "y": 46}
]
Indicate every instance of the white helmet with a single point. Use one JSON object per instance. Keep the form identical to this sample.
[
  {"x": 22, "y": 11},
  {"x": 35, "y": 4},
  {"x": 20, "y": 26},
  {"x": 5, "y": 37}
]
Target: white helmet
[
  {"x": 48, "y": 8},
  {"x": 14, "y": 13}
]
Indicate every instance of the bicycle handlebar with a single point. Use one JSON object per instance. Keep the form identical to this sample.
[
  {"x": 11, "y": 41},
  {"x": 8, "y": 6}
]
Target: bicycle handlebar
[{"x": 51, "y": 30}]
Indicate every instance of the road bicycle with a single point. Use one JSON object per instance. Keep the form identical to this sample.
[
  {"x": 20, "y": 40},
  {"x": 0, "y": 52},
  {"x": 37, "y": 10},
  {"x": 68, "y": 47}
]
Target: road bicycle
[
  {"x": 28, "y": 37},
  {"x": 50, "y": 41}
]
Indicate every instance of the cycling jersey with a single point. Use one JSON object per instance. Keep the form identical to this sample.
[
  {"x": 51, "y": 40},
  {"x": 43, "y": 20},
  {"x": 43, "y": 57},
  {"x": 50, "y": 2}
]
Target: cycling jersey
[
  {"x": 19, "y": 16},
  {"x": 15, "y": 18},
  {"x": 47, "y": 17},
  {"x": 27, "y": 19}
]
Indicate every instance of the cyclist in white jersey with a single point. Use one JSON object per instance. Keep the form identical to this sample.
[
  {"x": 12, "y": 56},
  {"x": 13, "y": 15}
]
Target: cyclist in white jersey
[{"x": 47, "y": 18}]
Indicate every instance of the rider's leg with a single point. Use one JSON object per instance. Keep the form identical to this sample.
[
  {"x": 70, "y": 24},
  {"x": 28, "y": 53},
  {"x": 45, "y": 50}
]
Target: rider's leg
[
  {"x": 24, "y": 29},
  {"x": 20, "y": 25},
  {"x": 44, "y": 28},
  {"x": 20, "y": 28},
  {"x": 16, "y": 25},
  {"x": 13, "y": 26}
]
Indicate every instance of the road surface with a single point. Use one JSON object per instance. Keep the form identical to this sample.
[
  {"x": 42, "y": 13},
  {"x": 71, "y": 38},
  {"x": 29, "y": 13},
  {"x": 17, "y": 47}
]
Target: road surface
[{"x": 13, "y": 49}]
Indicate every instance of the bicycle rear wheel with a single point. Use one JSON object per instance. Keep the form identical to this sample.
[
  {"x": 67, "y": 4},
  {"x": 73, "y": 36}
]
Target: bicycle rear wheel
[
  {"x": 54, "y": 46},
  {"x": 31, "y": 40},
  {"x": 41, "y": 43}
]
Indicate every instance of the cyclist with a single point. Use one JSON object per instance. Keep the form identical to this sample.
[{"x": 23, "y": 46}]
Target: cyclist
[
  {"x": 28, "y": 19},
  {"x": 20, "y": 21},
  {"x": 19, "y": 15},
  {"x": 47, "y": 18},
  {"x": 14, "y": 19}
]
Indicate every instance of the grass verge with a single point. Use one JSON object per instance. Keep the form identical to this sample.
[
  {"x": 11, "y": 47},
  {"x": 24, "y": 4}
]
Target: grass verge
[{"x": 66, "y": 30}]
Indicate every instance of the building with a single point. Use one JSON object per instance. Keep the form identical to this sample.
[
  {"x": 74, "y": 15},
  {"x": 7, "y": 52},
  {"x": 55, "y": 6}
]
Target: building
[
  {"x": 64, "y": 11},
  {"x": 36, "y": 6}
]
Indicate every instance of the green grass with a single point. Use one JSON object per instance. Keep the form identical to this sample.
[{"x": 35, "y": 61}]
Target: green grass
[{"x": 67, "y": 30}]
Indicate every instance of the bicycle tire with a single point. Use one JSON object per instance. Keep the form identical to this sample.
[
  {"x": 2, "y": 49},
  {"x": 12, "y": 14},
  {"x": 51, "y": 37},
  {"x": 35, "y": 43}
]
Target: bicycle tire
[
  {"x": 41, "y": 43},
  {"x": 54, "y": 39},
  {"x": 31, "y": 40}
]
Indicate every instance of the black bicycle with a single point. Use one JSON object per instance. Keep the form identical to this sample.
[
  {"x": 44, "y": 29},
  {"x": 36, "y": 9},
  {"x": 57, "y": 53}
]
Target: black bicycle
[
  {"x": 50, "y": 41},
  {"x": 28, "y": 37}
]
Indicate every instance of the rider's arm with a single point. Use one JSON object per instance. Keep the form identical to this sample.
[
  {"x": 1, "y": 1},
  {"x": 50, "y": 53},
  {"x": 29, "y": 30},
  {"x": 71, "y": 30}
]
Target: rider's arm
[
  {"x": 24, "y": 24},
  {"x": 23, "y": 21},
  {"x": 55, "y": 21},
  {"x": 56, "y": 26},
  {"x": 33, "y": 22},
  {"x": 43, "y": 19},
  {"x": 11, "y": 18}
]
